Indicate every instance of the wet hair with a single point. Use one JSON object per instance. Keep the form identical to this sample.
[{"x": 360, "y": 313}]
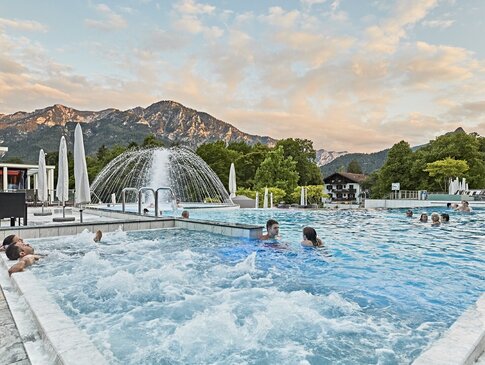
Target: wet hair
[
  {"x": 445, "y": 217},
  {"x": 435, "y": 217},
  {"x": 13, "y": 252},
  {"x": 270, "y": 223},
  {"x": 311, "y": 235},
  {"x": 448, "y": 205},
  {"x": 8, "y": 240},
  {"x": 185, "y": 214}
]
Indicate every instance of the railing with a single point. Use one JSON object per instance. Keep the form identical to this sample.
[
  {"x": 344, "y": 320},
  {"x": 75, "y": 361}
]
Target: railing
[
  {"x": 141, "y": 191},
  {"x": 405, "y": 194}
]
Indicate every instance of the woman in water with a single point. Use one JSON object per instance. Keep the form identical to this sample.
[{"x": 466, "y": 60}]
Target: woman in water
[{"x": 310, "y": 238}]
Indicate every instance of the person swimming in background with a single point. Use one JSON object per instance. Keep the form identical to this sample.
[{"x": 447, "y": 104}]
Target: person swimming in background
[
  {"x": 445, "y": 218},
  {"x": 272, "y": 230},
  {"x": 464, "y": 207},
  {"x": 435, "y": 220},
  {"x": 310, "y": 238},
  {"x": 424, "y": 217},
  {"x": 185, "y": 214},
  {"x": 409, "y": 213}
]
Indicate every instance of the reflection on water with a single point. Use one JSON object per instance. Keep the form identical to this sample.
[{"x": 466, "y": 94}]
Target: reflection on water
[{"x": 381, "y": 289}]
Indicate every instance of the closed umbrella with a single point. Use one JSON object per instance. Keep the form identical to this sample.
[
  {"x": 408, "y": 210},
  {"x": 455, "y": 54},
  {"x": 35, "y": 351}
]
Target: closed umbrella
[
  {"x": 265, "y": 201},
  {"x": 302, "y": 196},
  {"x": 62, "y": 188},
  {"x": 83, "y": 193},
  {"x": 42, "y": 193},
  {"x": 232, "y": 181},
  {"x": 256, "y": 201}
]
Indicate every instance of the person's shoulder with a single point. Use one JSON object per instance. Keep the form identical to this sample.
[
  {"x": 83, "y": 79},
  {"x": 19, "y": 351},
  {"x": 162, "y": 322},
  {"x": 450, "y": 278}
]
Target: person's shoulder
[
  {"x": 264, "y": 237},
  {"x": 307, "y": 243}
]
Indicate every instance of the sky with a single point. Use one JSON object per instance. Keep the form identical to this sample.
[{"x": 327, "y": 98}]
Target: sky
[{"x": 351, "y": 75}]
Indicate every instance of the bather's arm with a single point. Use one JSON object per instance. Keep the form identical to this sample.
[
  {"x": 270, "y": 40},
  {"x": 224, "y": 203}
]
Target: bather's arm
[{"x": 23, "y": 263}]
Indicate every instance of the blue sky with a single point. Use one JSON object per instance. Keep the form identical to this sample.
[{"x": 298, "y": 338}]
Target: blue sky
[{"x": 351, "y": 75}]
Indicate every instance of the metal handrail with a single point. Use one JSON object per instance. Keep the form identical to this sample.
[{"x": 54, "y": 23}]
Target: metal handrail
[
  {"x": 123, "y": 197},
  {"x": 140, "y": 192},
  {"x": 174, "y": 199}
]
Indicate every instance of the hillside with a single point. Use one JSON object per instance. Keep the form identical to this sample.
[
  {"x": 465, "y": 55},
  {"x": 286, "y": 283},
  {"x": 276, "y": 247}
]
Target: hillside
[{"x": 26, "y": 133}]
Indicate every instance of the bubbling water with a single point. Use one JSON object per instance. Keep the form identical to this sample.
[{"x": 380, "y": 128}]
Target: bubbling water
[{"x": 189, "y": 177}]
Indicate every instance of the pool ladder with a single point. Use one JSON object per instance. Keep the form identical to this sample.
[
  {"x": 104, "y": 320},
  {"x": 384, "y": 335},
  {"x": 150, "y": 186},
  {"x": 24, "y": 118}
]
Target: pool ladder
[{"x": 140, "y": 194}]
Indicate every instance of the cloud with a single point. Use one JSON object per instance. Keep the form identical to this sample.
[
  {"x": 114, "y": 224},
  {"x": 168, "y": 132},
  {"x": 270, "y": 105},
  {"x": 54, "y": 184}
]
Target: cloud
[
  {"x": 385, "y": 37},
  {"x": 109, "y": 21},
  {"x": 439, "y": 23},
  {"x": 280, "y": 18},
  {"x": 192, "y": 7},
  {"x": 28, "y": 25}
]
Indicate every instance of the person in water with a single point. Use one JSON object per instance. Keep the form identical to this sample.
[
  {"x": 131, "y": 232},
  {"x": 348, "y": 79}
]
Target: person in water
[
  {"x": 424, "y": 217},
  {"x": 409, "y": 213},
  {"x": 185, "y": 214},
  {"x": 272, "y": 230},
  {"x": 445, "y": 218},
  {"x": 310, "y": 238},
  {"x": 435, "y": 220},
  {"x": 24, "y": 253}
]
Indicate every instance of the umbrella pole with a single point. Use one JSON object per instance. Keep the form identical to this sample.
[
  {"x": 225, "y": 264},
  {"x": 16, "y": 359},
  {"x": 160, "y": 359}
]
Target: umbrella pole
[
  {"x": 81, "y": 213},
  {"x": 63, "y": 209}
]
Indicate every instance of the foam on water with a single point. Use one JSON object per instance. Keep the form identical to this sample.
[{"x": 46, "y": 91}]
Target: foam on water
[{"x": 381, "y": 290}]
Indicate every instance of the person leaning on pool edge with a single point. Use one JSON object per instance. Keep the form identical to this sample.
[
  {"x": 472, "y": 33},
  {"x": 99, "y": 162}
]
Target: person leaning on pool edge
[{"x": 272, "y": 230}]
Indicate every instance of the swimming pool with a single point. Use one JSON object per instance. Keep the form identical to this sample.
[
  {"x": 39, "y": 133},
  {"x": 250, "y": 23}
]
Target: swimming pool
[{"x": 383, "y": 288}]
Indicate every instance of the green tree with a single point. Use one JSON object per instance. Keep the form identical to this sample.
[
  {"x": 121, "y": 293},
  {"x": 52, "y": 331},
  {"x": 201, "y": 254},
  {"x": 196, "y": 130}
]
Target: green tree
[
  {"x": 246, "y": 167},
  {"x": 152, "y": 141},
  {"x": 303, "y": 153},
  {"x": 395, "y": 169},
  {"x": 459, "y": 146},
  {"x": 445, "y": 169},
  {"x": 354, "y": 167},
  {"x": 241, "y": 147},
  {"x": 314, "y": 194},
  {"x": 277, "y": 171},
  {"x": 219, "y": 158}
]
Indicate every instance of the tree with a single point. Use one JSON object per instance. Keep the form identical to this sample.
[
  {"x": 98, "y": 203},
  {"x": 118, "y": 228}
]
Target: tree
[
  {"x": 277, "y": 171},
  {"x": 395, "y": 169},
  {"x": 151, "y": 141},
  {"x": 219, "y": 158},
  {"x": 302, "y": 152},
  {"x": 445, "y": 169},
  {"x": 354, "y": 167},
  {"x": 246, "y": 167}
]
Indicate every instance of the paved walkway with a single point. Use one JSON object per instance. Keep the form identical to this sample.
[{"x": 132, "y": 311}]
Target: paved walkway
[{"x": 12, "y": 350}]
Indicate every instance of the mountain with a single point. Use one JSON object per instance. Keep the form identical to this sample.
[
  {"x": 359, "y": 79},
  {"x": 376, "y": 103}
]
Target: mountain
[
  {"x": 26, "y": 133},
  {"x": 324, "y": 157},
  {"x": 369, "y": 162}
]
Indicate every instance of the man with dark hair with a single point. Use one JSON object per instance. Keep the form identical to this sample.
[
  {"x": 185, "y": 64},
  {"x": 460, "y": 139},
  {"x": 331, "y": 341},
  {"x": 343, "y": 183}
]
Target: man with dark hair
[
  {"x": 445, "y": 218},
  {"x": 9, "y": 240},
  {"x": 272, "y": 230},
  {"x": 185, "y": 214}
]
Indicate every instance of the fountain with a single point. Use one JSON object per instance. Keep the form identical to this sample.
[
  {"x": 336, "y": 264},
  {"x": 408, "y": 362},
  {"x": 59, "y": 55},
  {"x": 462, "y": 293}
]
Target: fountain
[{"x": 177, "y": 168}]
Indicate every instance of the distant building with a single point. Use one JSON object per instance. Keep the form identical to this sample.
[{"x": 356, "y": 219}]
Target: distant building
[
  {"x": 15, "y": 176},
  {"x": 344, "y": 186}
]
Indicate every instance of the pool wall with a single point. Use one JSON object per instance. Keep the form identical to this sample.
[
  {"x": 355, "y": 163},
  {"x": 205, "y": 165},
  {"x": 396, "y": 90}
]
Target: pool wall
[{"x": 462, "y": 343}]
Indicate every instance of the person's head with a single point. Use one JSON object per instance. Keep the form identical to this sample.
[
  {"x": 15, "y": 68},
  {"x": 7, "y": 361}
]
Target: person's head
[
  {"x": 185, "y": 214},
  {"x": 11, "y": 239},
  {"x": 409, "y": 213},
  {"x": 311, "y": 235},
  {"x": 465, "y": 203},
  {"x": 445, "y": 217},
  {"x": 435, "y": 218},
  {"x": 145, "y": 211},
  {"x": 18, "y": 250},
  {"x": 272, "y": 227},
  {"x": 424, "y": 217},
  {"x": 448, "y": 205}
]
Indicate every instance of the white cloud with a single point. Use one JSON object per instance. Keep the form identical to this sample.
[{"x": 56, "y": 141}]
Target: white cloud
[
  {"x": 109, "y": 21},
  {"x": 28, "y": 25},
  {"x": 438, "y": 23},
  {"x": 192, "y": 7}
]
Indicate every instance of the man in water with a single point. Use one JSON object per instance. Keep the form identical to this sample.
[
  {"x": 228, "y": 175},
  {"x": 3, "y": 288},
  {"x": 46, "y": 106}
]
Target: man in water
[
  {"x": 272, "y": 230},
  {"x": 409, "y": 213},
  {"x": 185, "y": 214},
  {"x": 17, "y": 249}
]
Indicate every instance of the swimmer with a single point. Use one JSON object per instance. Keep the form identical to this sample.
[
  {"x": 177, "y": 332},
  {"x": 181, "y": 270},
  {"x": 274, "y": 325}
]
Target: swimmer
[
  {"x": 310, "y": 238},
  {"x": 445, "y": 218},
  {"x": 435, "y": 220},
  {"x": 185, "y": 214},
  {"x": 272, "y": 230},
  {"x": 409, "y": 213},
  {"x": 424, "y": 217}
]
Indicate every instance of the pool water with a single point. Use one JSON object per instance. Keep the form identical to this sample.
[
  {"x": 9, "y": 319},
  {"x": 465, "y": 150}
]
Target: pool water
[{"x": 382, "y": 289}]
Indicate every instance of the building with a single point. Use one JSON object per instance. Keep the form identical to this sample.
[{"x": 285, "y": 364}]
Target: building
[
  {"x": 15, "y": 176},
  {"x": 344, "y": 187}
]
